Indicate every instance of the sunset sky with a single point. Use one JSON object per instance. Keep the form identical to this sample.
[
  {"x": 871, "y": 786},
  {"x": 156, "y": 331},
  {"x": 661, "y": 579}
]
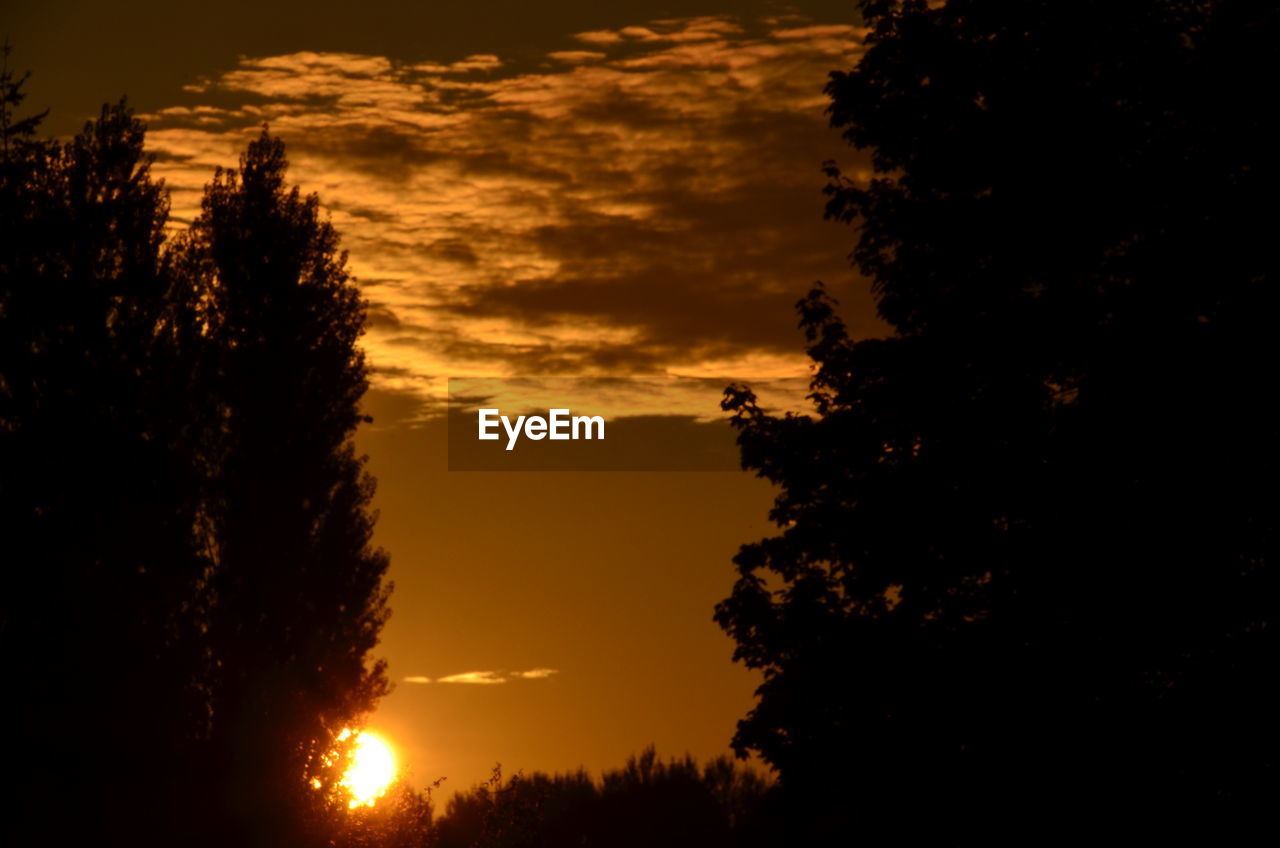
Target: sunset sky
[{"x": 559, "y": 189}]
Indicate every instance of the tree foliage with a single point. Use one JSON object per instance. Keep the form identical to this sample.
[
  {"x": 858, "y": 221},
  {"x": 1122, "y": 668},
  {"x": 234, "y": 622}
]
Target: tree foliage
[
  {"x": 96, "y": 515},
  {"x": 191, "y": 592},
  {"x": 645, "y": 802},
  {"x": 296, "y": 595},
  {"x": 1025, "y": 571}
]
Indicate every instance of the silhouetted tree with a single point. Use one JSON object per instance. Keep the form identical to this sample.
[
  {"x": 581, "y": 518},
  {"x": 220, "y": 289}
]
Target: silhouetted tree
[
  {"x": 1026, "y": 573},
  {"x": 646, "y": 802},
  {"x": 297, "y": 597},
  {"x": 402, "y": 818},
  {"x": 97, "y": 494},
  {"x": 190, "y": 596},
  {"x": 17, "y": 135}
]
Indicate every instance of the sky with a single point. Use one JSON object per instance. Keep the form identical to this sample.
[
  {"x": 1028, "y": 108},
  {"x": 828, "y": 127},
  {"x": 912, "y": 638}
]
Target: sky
[{"x": 558, "y": 190}]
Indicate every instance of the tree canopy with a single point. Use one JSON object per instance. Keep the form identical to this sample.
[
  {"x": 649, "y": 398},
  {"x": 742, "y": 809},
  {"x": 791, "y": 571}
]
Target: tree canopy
[
  {"x": 297, "y": 598},
  {"x": 192, "y": 595},
  {"x": 1024, "y": 573}
]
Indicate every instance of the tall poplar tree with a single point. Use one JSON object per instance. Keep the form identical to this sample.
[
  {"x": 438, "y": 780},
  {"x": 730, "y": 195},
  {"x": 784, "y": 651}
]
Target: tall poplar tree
[
  {"x": 297, "y": 592},
  {"x": 190, "y": 592}
]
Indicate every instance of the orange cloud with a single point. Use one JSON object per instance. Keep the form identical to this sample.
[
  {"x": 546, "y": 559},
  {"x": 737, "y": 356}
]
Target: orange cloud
[
  {"x": 482, "y": 678},
  {"x": 535, "y": 673},
  {"x": 576, "y": 57},
  {"x": 649, "y": 206},
  {"x": 487, "y": 678}
]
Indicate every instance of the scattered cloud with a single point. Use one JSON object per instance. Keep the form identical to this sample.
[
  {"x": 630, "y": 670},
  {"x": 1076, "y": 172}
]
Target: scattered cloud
[
  {"x": 649, "y": 205},
  {"x": 599, "y": 36},
  {"x": 576, "y": 57},
  {"x": 535, "y": 673},
  {"x": 477, "y": 62},
  {"x": 486, "y": 678},
  {"x": 807, "y": 33},
  {"x": 483, "y": 678}
]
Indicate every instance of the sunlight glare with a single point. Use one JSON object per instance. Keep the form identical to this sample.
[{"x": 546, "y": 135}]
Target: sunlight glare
[{"x": 373, "y": 767}]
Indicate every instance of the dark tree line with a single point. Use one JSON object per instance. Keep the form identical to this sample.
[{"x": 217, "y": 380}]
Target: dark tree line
[
  {"x": 646, "y": 802},
  {"x": 1025, "y": 585},
  {"x": 191, "y": 596}
]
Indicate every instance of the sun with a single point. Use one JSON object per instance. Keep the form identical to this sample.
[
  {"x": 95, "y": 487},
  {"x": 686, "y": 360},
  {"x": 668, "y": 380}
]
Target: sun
[{"x": 373, "y": 767}]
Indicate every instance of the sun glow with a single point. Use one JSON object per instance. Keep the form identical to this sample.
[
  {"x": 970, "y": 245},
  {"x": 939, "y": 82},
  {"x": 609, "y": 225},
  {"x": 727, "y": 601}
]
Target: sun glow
[{"x": 373, "y": 767}]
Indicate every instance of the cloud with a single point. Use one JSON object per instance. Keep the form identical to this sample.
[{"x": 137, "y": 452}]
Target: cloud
[
  {"x": 651, "y": 205},
  {"x": 805, "y": 33},
  {"x": 576, "y": 57},
  {"x": 477, "y": 62},
  {"x": 487, "y": 678},
  {"x": 483, "y": 678},
  {"x": 535, "y": 673},
  {"x": 598, "y": 36}
]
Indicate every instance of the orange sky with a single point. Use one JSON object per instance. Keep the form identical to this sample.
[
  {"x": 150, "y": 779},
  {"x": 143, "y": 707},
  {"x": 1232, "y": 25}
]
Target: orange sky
[
  {"x": 569, "y": 191},
  {"x": 609, "y": 578}
]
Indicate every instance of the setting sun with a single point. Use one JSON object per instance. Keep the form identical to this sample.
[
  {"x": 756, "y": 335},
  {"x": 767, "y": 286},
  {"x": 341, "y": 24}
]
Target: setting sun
[{"x": 373, "y": 767}]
